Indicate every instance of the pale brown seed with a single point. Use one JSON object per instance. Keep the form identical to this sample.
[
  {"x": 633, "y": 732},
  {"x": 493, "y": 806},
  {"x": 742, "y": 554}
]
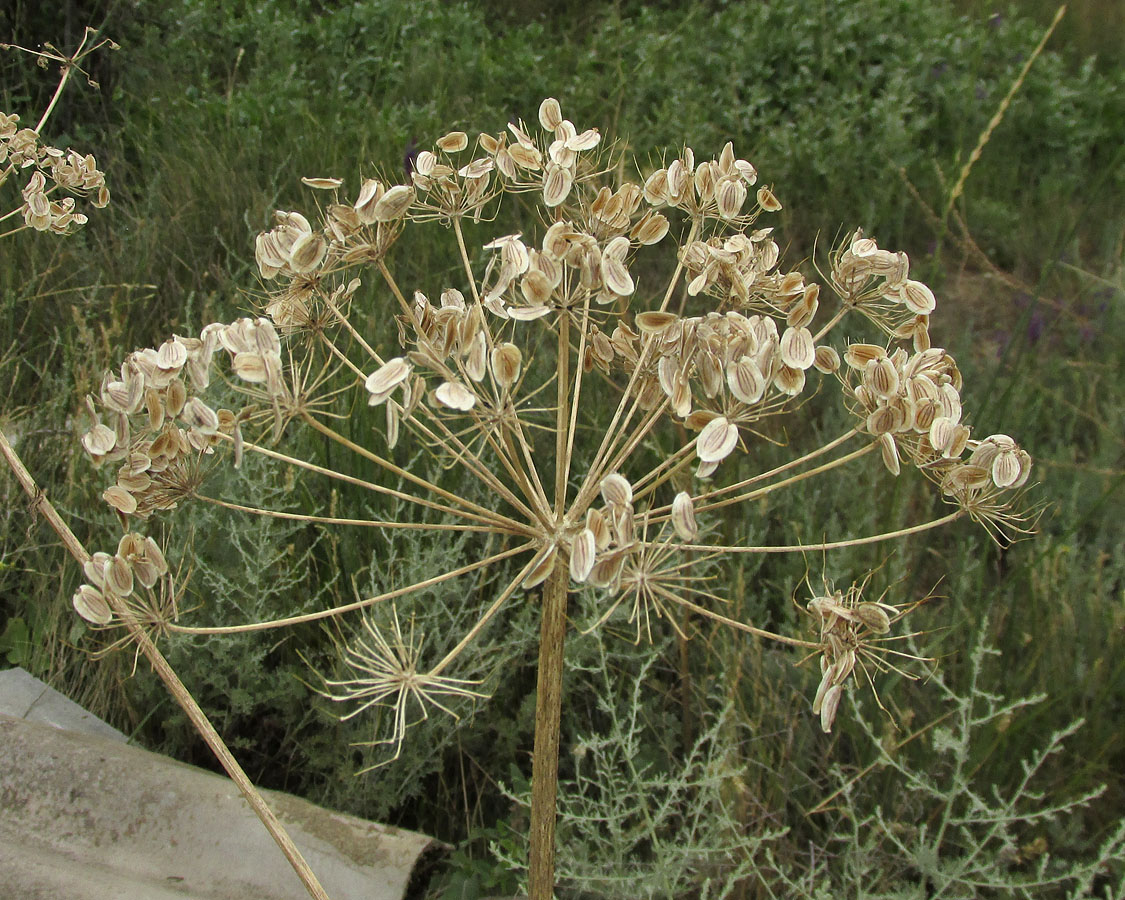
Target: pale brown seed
[
  {"x": 456, "y": 396},
  {"x": 827, "y": 360},
  {"x": 550, "y": 114},
  {"x": 453, "y": 142},
  {"x": 119, "y": 577},
  {"x": 557, "y": 183},
  {"x": 829, "y": 706},
  {"x": 797, "y": 349},
  {"x": 393, "y": 204},
  {"x": 582, "y": 555},
  {"x": 386, "y": 378},
  {"x": 859, "y": 355},
  {"x": 323, "y": 184},
  {"x": 683, "y": 517},
  {"x": 767, "y": 200},
  {"x": 655, "y": 322},
  {"x": 616, "y": 490},
  {"x": 716, "y": 441},
  {"x": 596, "y": 523},
  {"x": 175, "y": 397},
  {"x": 91, "y": 605},
  {"x": 651, "y": 229},
  {"x": 874, "y": 617},
  {"x": 544, "y": 565},
  {"x": 120, "y": 499},
  {"x": 889, "y": 451},
  {"x": 506, "y": 363},
  {"x": 730, "y": 197},
  {"x": 745, "y": 380},
  {"x": 917, "y": 297}
]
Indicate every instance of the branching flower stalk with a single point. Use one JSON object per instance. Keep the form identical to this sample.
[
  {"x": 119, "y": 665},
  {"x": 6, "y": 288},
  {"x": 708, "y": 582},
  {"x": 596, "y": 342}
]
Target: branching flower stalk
[{"x": 501, "y": 374}]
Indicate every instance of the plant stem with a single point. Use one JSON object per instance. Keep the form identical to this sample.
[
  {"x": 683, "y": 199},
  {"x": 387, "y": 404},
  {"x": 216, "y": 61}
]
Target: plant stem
[
  {"x": 42, "y": 506},
  {"x": 548, "y": 713}
]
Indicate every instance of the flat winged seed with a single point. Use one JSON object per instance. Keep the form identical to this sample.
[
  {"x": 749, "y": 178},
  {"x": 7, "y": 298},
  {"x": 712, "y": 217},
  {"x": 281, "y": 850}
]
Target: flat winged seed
[
  {"x": 716, "y": 440},
  {"x": 387, "y": 377},
  {"x": 91, "y": 605},
  {"x": 607, "y": 572},
  {"x": 616, "y": 490},
  {"x": 476, "y": 360},
  {"x": 889, "y": 451},
  {"x": 323, "y": 184},
  {"x": 478, "y": 168},
  {"x": 172, "y": 354},
  {"x": 767, "y": 200},
  {"x": 453, "y": 142},
  {"x": 120, "y": 499},
  {"x": 507, "y": 361},
  {"x": 885, "y": 420},
  {"x": 651, "y": 229},
  {"x": 536, "y": 287},
  {"x": 527, "y": 313},
  {"x": 369, "y": 194},
  {"x": 550, "y": 114},
  {"x": 797, "y": 348},
  {"x": 617, "y": 277},
  {"x": 582, "y": 555},
  {"x": 829, "y": 706},
  {"x": 655, "y": 322},
  {"x": 731, "y": 195},
  {"x": 918, "y": 298},
  {"x": 942, "y": 433},
  {"x": 525, "y": 157},
  {"x": 99, "y": 440},
  {"x": 874, "y": 617},
  {"x": 119, "y": 577},
  {"x": 789, "y": 380},
  {"x": 881, "y": 376},
  {"x": 456, "y": 396},
  {"x": 1006, "y": 468},
  {"x": 155, "y": 555},
  {"x": 596, "y": 523},
  {"x": 827, "y": 360},
  {"x": 200, "y": 416},
  {"x": 544, "y": 565},
  {"x": 859, "y": 355},
  {"x": 587, "y": 140},
  {"x": 745, "y": 380},
  {"x": 250, "y": 367},
  {"x": 556, "y": 185},
  {"x": 683, "y": 517},
  {"x": 175, "y": 397},
  {"x": 307, "y": 252},
  {"x": 393, "y": 204},
  {"x": 681, "y": 395}
]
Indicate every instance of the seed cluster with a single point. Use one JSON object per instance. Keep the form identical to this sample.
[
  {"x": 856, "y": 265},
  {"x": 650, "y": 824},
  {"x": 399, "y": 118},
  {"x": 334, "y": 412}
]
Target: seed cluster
[
  {"x": 696, "y": 360},
  {"x": 52, "y": 170}
]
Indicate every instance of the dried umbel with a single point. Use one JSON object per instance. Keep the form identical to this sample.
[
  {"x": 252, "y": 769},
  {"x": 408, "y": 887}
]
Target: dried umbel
[
  {"x": 547, "y": 367},
  {"x": 50, "y": 178}
]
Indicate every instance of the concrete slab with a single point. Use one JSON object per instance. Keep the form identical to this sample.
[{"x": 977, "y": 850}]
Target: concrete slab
[
  {"x": 23, "y": 696},
  {"x": 86, "y": 816}
]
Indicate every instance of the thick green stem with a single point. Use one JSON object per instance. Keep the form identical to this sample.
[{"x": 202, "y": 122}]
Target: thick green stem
[{"x": 548, "y": 713}]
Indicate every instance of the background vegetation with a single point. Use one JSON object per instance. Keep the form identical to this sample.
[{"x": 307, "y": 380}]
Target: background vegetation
[{"x": 858, "y": 112}]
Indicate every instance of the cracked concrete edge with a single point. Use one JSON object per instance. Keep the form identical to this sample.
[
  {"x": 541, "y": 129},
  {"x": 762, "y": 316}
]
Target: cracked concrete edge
[
  {"x": 23, "y": 696},
  {"x": 88, "y": 811}
]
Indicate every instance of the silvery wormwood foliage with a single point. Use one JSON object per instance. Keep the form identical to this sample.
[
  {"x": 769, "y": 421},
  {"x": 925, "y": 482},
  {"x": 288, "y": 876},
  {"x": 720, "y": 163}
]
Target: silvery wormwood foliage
[{"x": 502, "y": 371}]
